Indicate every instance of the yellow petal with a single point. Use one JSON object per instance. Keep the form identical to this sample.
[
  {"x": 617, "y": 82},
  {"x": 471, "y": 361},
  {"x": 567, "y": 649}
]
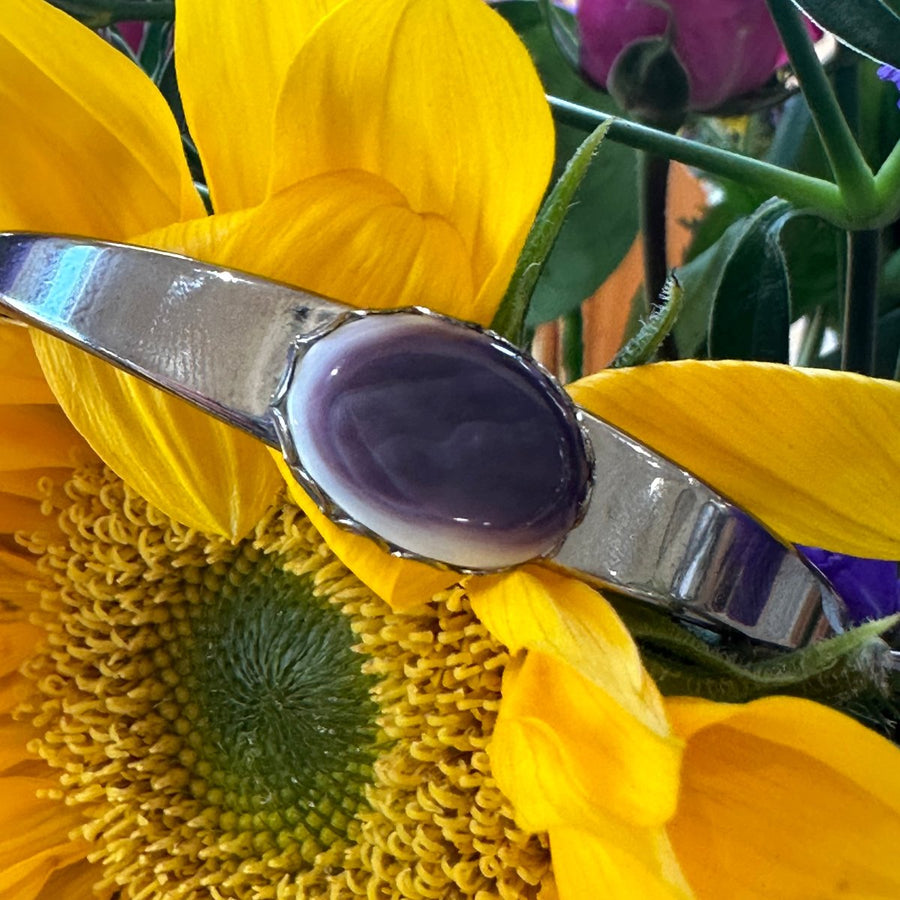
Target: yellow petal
[
  {"x": 29, "y": 483},
  {"x": 352, "y": 237},
  {"x": 13, "y": 690},
  {"x": 26, "y": 879},
  {"x": 785, "y": 798},
  {"x": 18, "y": 641},
  {"x": 39, "y": 436},
  {"x": 538, "y": 609},
  {"x": 565, "y": 753},
  {"x": 232, "y": 59},
  {"x": 440, "y": 99},
  {"x": 14, "y": 735},
  {"x": 23, "y": 495},
  {"x": 20, "y": 514},
  {"x": 34, "y": 839},
  {"x": 829, "y": 736},
  {"x": 812, "y": 453},
  {"x": 20, "y": 373},
  {"x": 618, "y": 865},
  {"x": 16, "y": 570},
  {"x": 196, "y": 469},
  {"x": 78, "y": 882},
  {"x": 581, "y": 735},
  {"x": 401, "y": 583},
  {"x": 89, "y": 144}
]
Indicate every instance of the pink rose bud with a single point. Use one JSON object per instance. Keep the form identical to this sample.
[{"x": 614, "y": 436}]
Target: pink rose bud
[{"x": 725, "y": 47}]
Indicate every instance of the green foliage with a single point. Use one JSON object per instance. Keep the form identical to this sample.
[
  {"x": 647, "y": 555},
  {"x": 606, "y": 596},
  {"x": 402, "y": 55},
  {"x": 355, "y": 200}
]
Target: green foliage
[
  {"x": 751, "y": 300},
  {"x": 603, "y": 223},
  {"x": 851, "y": 671},
  {"x": 643, "y": 346},
  {"x": 102, "y": 13},
  {"x": 870, "y": 26},
  {"x": 510, "y": 317}
]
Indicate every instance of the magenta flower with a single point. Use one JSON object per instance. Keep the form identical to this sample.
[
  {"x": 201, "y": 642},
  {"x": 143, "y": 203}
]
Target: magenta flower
[
  {"x": 133, "y": 33},
  {"x": 726, "y": 47}
]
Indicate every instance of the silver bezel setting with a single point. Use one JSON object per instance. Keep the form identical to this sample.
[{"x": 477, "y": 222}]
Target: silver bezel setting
[{"x": 334, "y": 511}]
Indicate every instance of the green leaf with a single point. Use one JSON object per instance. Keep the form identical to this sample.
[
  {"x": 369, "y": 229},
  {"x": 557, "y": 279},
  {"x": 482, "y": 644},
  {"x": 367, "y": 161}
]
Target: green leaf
[
  {"x": 602, "y": 225},
  {"x": 815, "y": 252},
  {"x": 564, "y": 30},
  {"x": 849, "y": 672},
  {"x": 870, "y": 26},
  {"x": 742, "y": 281},
  {"x": 643, "y": 346},
  {"x": 510, "y": 318},
  {"x": 734, "y": 201},
  {"x": 751, "y": 311}
]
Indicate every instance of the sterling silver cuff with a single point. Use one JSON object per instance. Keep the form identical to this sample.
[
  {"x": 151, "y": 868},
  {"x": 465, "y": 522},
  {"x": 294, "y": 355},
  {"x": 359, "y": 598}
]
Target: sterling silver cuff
[{"x": 438, "y": 439}]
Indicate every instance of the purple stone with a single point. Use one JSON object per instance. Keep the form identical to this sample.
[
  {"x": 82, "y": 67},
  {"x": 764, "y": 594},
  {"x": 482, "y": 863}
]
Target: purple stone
[{"x": 444, "y": 441}]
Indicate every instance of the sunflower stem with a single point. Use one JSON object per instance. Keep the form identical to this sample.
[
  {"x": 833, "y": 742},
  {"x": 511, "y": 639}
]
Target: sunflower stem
[
  {"x": 509, "y": 320},
  {"x": 645, "y": 344}
]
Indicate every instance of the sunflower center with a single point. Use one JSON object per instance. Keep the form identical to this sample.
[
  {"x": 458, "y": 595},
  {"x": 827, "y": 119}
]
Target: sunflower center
[
  {"x": 249, "y": 721},
  {"x": 281, "y": 714}
]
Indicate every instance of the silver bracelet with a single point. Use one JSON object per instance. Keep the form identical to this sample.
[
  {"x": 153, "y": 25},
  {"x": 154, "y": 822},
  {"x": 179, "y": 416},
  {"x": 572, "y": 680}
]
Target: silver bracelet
[{"x": 436, "y": 438}]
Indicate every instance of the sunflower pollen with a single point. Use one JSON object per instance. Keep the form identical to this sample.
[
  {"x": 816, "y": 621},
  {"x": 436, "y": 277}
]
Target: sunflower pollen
[{"x": 249, "y": 721}]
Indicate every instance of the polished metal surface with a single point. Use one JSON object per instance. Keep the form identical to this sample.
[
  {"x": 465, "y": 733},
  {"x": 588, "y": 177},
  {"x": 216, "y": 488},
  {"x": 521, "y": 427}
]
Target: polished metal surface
[
  {"x": 656, "y": 532},
  {"x": 223, "y": 340},
  {"x": 217, "y": 337}
]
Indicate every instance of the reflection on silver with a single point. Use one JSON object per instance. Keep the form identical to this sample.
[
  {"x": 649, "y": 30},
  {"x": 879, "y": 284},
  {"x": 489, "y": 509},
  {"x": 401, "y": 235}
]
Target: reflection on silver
[
  {"x": 654, "y": 531},
  {"x": 221, "y": 339},
  {"x": 215, "y": 337}
]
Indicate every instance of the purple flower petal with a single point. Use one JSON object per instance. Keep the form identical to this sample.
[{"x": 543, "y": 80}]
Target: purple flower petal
[
  {"x": 889, "y": 73},
  {"x": 869, "y": 587}
]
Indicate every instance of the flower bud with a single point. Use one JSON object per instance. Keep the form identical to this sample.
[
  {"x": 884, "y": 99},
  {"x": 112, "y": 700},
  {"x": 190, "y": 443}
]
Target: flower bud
[
  {"x": 725, "y": 47},
  {"x": 649, "y": 81}
]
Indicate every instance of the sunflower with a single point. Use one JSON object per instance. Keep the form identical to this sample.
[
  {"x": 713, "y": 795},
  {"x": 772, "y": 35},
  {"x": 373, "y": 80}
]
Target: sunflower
[{"x": 210, "y": 691}]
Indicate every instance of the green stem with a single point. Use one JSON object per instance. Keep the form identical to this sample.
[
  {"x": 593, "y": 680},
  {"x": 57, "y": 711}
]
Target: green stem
[
  {"x": 851, "y": 172},
  {"x": 861, "y": 303},
  {"x": 812, "y": 338},
  {"x": 573, "y": 344},
  {"x": 887, "y": 185},
  {"x": 846, "y": 90},
  {"x": 653, "y": 183},
  {"x": 805, "y": 192}
]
